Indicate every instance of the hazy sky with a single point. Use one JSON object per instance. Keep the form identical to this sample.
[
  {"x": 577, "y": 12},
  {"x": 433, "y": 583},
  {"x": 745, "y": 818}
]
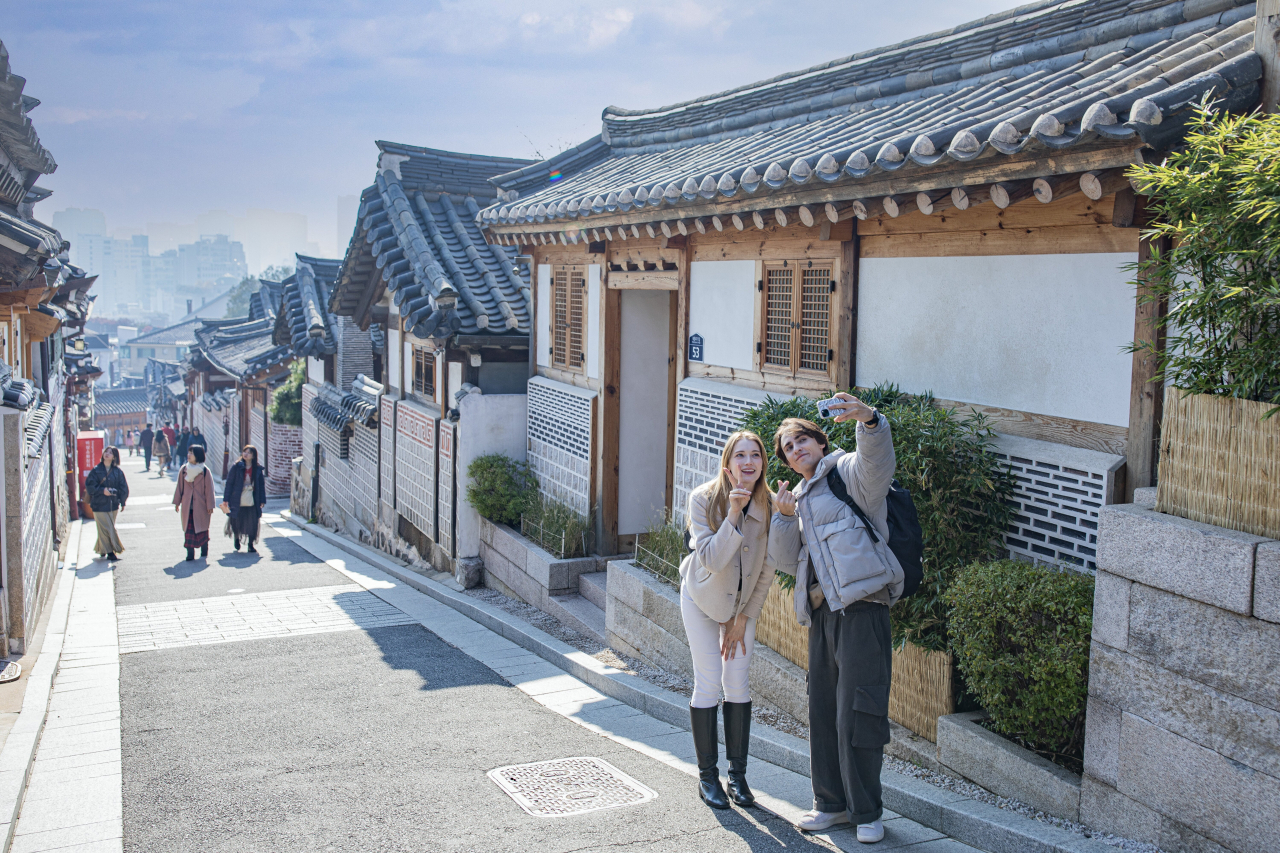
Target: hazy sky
[{"x": 158, "y": 111}]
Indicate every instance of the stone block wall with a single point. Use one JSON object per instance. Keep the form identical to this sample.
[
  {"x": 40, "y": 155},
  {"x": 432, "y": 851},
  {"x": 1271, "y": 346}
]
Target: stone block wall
[
  {"x": 526, "y": 571},
  {"x": 1182, "y": 747}
]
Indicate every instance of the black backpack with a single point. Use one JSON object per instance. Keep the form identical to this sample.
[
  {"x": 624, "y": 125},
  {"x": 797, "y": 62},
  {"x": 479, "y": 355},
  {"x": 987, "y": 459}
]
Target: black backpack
[{"x": 906, "y": 540}]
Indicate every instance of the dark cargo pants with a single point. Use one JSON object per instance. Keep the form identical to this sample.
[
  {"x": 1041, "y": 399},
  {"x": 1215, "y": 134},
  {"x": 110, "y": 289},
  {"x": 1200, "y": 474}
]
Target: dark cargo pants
[{"x": 850, "y": 662}]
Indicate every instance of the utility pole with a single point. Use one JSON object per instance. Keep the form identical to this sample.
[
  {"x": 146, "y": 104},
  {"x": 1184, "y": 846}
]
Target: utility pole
[{"x": 1266, "y": 41}]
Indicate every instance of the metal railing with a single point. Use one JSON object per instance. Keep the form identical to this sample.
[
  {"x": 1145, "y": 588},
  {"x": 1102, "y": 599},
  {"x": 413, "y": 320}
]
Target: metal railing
[
  {"x": 559, "y": 546},
  {"x": 657, "y": 565}
]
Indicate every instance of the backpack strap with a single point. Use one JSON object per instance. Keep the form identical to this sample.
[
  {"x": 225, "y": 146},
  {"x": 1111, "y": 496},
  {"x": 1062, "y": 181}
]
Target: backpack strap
[{"x": 836, "y": 483}]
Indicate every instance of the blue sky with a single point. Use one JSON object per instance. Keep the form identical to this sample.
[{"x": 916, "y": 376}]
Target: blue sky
[{"x": 158, "y": 111}]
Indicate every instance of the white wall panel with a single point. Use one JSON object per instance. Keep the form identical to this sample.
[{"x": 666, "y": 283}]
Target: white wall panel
[
  {"x": 642, "y": 404},
  {"x": 722, "y": 299},
  {"x": 542, "y": 335},
  {"x": 1038, "y": 333}
]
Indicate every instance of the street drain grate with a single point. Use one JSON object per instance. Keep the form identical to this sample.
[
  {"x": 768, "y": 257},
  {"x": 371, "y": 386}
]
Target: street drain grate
[{"x": 569, "y": 786}]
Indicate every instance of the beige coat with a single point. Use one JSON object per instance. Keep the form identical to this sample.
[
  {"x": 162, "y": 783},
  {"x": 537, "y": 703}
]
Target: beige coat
[
  {"x": 199, "y": 493},
  {"x": 710, "y": 574}
]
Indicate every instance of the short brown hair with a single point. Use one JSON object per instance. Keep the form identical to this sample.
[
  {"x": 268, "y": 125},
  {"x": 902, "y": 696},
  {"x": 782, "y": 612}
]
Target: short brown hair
[{"x": 798, "y": 426}]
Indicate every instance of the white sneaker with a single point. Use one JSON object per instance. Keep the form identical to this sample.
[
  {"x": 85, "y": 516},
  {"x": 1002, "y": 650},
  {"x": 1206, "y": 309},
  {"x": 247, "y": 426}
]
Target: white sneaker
[
  {"x": 870, "y": 833},
  {"x": 816, "y": 821}
]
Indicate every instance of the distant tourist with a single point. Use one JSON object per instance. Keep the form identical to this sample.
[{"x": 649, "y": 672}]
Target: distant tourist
[
  {"x": 843, "y": 593},
  {"x": 108, "y": 492},
  {"x": 245, "y": 496},
  {"x": 194, "y": 502},
  {"x": 145, "y": 441},
  {"x": 184, "y": 441},
  {"x": 160, "y": 449},
  {"x": 172, "y": 436},
  {"x": 129, "y": 436},
  {"x": 197, "y": 437},
  {"x": 723, "y": 585}
]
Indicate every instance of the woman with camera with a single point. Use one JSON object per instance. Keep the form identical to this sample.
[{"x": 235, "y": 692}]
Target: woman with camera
[
  {"x": 108, "y": 493},
  {"x": 723, "y": 586}
]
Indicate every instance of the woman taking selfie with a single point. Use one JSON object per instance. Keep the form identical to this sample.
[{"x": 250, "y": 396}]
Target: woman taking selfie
[
  {"x": 193, "y": 500},
  {"x": 108, "y": 493},
  {"x": 723, "y": 586},
  {"x": 245, "y": 496}
]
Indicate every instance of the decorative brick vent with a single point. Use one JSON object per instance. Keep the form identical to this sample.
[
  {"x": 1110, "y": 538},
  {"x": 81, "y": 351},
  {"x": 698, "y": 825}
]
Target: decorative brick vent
[
  {"x": 560, "y": 441},
  {"x": 1059, "y": 494},
  {"x": 416, "y": 467},
  {"x": 707, "y": 413}
]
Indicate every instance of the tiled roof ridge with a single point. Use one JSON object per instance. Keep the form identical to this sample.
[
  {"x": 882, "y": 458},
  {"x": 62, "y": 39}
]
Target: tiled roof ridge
[
  {"x": 17, "y": 135},
  {"x": 304, "y": 320}
]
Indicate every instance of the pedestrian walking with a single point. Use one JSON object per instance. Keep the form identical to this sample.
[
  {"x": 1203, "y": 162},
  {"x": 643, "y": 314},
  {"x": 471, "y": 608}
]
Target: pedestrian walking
[
  {"x": 172, "y": 438},
  {"x": 129, "y": 436},
  {"x": 244, "y": 497},
  {"x": 197, "y": 438},
  {"x": 119, "y": 437},
  {"x": 160, "y": 449},
  {"x": 184, "y": 439},
  {"x": 146, "y": 440},
  {"x": 194, "y": 502},
  {"x": 723, "y": 586},
  {"x": 844, "y": 589},
  {"x": 108, "y": 493}
]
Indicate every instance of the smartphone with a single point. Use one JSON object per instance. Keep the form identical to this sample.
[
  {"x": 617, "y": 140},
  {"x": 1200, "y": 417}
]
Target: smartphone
[{"x": 831, "y": 407}]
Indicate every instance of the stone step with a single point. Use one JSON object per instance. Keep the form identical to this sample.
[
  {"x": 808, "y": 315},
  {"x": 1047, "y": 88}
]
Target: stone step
[
  {"x": 578, "y": 613},
  {"x": 592, "y": 586}
]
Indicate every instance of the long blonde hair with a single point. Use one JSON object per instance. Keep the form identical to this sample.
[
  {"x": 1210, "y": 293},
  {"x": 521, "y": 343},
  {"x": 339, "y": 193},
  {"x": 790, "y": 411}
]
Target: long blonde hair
[{"x": 721, "y": 486}]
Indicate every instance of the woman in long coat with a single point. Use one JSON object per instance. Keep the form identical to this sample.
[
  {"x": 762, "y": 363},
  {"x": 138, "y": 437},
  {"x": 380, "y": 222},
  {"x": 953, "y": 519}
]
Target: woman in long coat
[
  {"x": 108, "y": 493},
  {"x": 245, "y": 496},
  {"x": 160, "y": 450},
  {"x": 194, "y": 502}
]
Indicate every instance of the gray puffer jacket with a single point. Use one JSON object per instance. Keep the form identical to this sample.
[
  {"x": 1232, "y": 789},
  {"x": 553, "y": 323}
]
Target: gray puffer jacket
[{"x": 824, "y": 530}]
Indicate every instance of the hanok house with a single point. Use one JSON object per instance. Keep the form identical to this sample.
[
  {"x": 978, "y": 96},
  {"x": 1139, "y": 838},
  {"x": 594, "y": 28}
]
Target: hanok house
[
  {"x": 120, "y": 409},
  {"x": 948, "y": 214},
  {"x": 393, "y": 436},
  {"x": 231, "y": 374},
  {"x": 39, "y": 291}
]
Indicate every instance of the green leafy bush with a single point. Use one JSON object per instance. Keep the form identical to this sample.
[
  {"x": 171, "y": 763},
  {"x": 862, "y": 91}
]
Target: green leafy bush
[
  {"x": 1020, "y": 635},
  {"x": 1216, "y": 203},
  {"x": 960, "y": 488},
  {"x": 557, "y": 528},
  {"x": 501, "y": 489},
  {"x": 662, "y": 548},
  {"x": 286, "y": 402}
]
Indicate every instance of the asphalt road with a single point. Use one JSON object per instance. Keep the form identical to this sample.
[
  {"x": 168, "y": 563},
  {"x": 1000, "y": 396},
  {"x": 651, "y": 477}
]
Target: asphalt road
[{"x": 352, "y": 740}]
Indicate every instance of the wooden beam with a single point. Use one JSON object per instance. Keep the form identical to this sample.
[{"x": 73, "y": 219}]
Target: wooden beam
[
  {"x": 1124, "y": 215},
  {"x": 781, "y": 216},
  {"x": 847, "y": 343},
  {"x": 806, "y": 215},
  {"x": 966, "y": 197},
  {"x": 1052, "y": 240},
  {"x": 1054, "y": 188},
  {"x": 1005, "y": 193},
  {"x": 757, "y": 219},
  {"x": 1095, "y": 185},
  {"x": 1076, "y": 210},
  {"x": 1146, "y": 393},
  {"x": 934, "y": 201},
  {"x": 1266, "y": 43},
  {"x": 1105, "y": 438},
  {"x": 611, "y": 383}
]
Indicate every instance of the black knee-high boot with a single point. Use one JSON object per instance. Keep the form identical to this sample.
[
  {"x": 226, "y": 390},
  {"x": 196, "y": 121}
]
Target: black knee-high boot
[
  {"x": 703, "y": 723},
  {"x": 737, "y": 739},
  {"x": 191, "y": 554}
]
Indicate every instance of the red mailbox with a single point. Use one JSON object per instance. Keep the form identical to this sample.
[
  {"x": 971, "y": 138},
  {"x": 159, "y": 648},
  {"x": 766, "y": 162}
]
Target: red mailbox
[{"x": 89, "y": 446}]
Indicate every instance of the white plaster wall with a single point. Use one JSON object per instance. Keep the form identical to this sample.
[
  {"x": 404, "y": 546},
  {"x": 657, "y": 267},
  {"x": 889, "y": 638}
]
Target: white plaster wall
[
  {"x": 1037, "y": 333},
  {"x": 315, "y": 370},
  {"x": 542, "y": 337},
  {"x": 722, "y": 301},
  {"x": 487, "y": 423},
  {"x": 642, "y": 403},
  {"x": 595, "y": 322},
  {"x": 395, "y": 357}
]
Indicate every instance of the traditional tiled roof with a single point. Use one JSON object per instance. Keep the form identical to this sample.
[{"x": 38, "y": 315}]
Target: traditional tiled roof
[
  {"x": 416, "y": 236},
  {"x": 304, "y": 323},
  {"x": 120, "y": 401},
  {"x": 17, "y": 135},
  {"x": 242, "y": 347},
  {"x": 266, "y": 301},
  {"x": 327, "y": 407},
  {"x": 215, "y": 402},
  {"x": 1052, "y": 75},
  {"x": 15, "y": 392},
  {"x": 39, "y": 420}
]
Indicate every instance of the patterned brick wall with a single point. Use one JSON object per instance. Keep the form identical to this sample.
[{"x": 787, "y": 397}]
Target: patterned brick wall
[
  {"x": 37, "y": 542},
  {"x": 387, "y": 485},
  {"x": 256, "y": 437},
  {"x": 285, "y": 444},
  {"x": 561, "y": 438},
  {"x": 415, "y": 470},
  {"x": 707, "y": 413},
  {"x": 446, "y": 497},
  {"x": 364, "y": 447}
]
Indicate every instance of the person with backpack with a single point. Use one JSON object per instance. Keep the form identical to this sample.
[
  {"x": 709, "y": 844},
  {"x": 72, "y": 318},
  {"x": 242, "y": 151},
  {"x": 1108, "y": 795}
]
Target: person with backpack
[
  {"x": 146, "y": 441},
  {"x": 847, "y": 578}
]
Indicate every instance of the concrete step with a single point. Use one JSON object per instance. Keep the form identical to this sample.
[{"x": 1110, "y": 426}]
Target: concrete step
[
  {"x": 592, "y": 587},
  {"x": 579, "y": 614}
]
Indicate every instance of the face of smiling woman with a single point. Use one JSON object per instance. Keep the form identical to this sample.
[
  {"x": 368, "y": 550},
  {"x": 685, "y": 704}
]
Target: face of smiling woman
[{"x": 747, "y": 463}]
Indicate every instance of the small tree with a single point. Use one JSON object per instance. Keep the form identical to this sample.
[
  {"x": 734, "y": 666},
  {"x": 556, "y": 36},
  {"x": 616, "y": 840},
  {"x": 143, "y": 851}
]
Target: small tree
[
  {"x": 501, "y": 488},
  {"x": 1217, "y": 204},
  {"x": 286, "y": 402}
]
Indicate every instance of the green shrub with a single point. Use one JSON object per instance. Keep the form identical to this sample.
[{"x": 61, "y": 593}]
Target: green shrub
[
  {"x": 1020, "y": 635},
  {"x": 501, "y": 489},
  {"x": 286, "y": 402},
  {"x": 960, "y": 488},
  {"x": 557, "y": 528},
  {"x": 662, "y": 549},
  {"x": 1217, "y": 204}
]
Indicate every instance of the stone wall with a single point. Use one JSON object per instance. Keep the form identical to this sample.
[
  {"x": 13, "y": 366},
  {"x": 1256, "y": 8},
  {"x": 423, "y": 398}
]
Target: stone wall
[
  {"x": 284, "y": 446},
  {"x": 1182, "y": 747},
  {"x": 525, "y": 571}
]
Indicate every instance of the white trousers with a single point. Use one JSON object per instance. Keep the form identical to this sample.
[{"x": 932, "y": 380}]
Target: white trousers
[{"x": 711, "y": 672}]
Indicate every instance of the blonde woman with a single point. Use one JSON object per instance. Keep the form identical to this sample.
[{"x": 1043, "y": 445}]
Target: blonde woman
[{"x": 723, "y": 587}]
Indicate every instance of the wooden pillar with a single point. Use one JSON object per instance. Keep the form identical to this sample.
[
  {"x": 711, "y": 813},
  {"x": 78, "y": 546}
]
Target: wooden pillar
[
  {"x": 1266, "y": 42},
  {"x": 611, "y": 382},
  {"x": 1146, "y": 394},
  {"x": 847, "y": 342}
]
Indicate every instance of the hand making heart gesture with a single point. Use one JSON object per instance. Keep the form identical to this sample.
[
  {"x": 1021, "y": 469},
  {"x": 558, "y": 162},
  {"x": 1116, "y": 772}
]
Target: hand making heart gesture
[{"x": 785, "y": 499}]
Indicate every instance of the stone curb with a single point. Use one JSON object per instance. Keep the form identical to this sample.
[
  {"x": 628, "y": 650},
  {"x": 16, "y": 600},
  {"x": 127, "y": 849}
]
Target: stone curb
[
  {"x": 966, "y": 820},
  {"x": 20, "y": 746}
]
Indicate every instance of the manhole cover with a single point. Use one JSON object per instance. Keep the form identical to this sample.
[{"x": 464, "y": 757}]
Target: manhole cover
[{"x": 568, "y": 786}]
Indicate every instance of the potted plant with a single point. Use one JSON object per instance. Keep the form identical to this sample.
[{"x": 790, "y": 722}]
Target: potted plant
[{"x": 1215, "y": 264}]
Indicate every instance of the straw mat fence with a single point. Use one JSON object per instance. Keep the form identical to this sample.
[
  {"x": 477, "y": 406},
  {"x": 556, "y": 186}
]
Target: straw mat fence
[{"x": 1220, "y": 463}]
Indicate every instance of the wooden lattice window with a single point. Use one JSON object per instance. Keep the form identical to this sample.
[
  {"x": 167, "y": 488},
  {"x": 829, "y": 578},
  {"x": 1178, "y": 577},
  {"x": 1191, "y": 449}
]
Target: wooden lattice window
[
  {"x": 796, "y": 326},
  {"x": 569, "y": 317},
  {"x": 424, "y": 372}
]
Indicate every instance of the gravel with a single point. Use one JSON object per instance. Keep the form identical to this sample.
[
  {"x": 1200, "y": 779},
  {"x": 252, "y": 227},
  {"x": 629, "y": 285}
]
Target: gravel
[{"x": 785, "y": 722}]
